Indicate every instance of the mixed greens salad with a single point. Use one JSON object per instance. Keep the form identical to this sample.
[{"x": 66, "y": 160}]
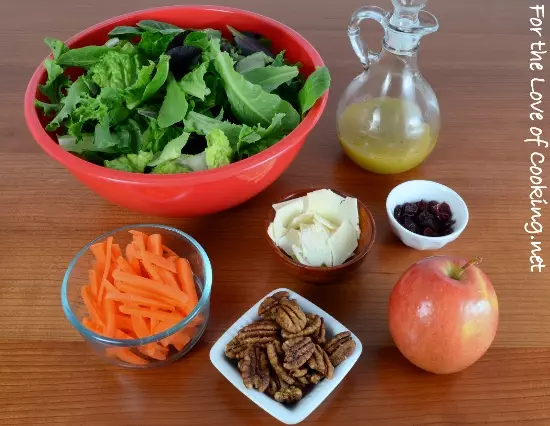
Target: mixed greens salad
[{"x": 157, "y": 98}]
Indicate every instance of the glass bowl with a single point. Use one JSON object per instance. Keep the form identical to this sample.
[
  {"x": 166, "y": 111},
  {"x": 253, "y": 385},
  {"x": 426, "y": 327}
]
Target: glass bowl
[{"x": 131, "y": 352}]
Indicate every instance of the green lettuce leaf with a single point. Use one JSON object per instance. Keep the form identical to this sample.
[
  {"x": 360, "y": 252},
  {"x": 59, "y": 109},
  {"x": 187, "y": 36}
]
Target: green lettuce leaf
[
  {"x": 158, "y": 27},
  {"x": 197, "y": 39},
  {"x": 256, "y": 60},
  {"x": 174, "y": 106},
  {"x": 171, "y": 151},
  {"x": 195, "y": 162},
  {"x": 47, "y": 108},
  {"x": 74, "y": 95},
  {"x": 271, "y": 77},
  {"x": 218, "y": 150},
  {"x": 57, "y": 47},
  {"x": 55, "y": 82},
  {"x": 154, "y": 138},
  {"x": 117, "y": 70},
  {"x": 249, "y": 102},
  {"x": 124, "y": 31},
  {"x": 170, "y": 167},
  {"x": 152, "y": 45},
  {"x": 134, "y": 163},
  {"x": 193, "y": 82},
  {"x": 203, "y": 125},
  {"x": 159, "y": 79},
  {"x": 253, "y": 140}
]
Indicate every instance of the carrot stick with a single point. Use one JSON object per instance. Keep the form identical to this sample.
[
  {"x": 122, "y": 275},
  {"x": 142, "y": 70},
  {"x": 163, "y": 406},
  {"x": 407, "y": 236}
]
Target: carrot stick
[
  {"x": 153, "y": 325},
  {"x": 94, "y": 283},
  {"x": 123, "y": 322},
  {"x": 91, "y": 305},
  {"x": 168, "y": 278},
  {"x": 138, "y": 300},
  {"x": 157, "y": 260},
  {"x": 151, "y": 285},
  {"x": 110, "y": 312},
  {"x": 106, "y": 268},
  {"x": 107, "y": 286},
  {"x": 150, "y": 269},
  {"x": 123, "y": 287},
  {"x": 91, "y": 325},
  {"x": 134, "y": 263},
  {"x": 98, "y": 249},
  {"x": 141, "y": 312},
  {"x": 169, "y": 251},
  {"x": 185, "y": 275},
  {"x": 125, "y": 355},
  {"x": 154, "y": 244},
  {"x": 180, "y": 339},
  {"x": 124, "y": 265}
]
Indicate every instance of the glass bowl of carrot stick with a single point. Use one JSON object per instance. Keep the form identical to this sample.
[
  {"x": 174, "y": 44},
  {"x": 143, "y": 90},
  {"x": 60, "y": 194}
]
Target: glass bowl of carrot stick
[{"x": 139, "y": 295}]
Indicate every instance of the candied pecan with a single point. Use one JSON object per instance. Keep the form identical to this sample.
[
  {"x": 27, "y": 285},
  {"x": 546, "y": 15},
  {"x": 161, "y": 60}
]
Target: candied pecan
[
  {"x": 275, "y": 385},
  {"x": 314, "y": 378},
  {"x": 276, "y": 364},
  {"x": 317, "y": 361},
  {"x": 288, "y": 395},
  {"x": 299, "y": 372},
  {"x": 268, "y": 307},
  {"x": 297, "y": 352},
  {"x": 329, "y": 368},
  {"x": 302, "y": 381},
  {"x": 290, "y": 316},
  {"x": 255, "y": 369},
  {"x": 263, "y": 331},
  {"x": 340, "y": 348},
  {"x": 235, "y": 349},
  {"x": 312, "y": 326},
  {"x": 320, "y": 336}
]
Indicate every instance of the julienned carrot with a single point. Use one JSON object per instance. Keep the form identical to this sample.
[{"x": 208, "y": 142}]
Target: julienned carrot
[
  {"x": 91, "y": 306},
  {"x": 160, "y": 261},
  {"x": 168, "y": 278},
  {"x": 148, "y": 313},
  {"x": 142, "y": 292},
  {"x": 185, "y": 275},
  {"x": 151, "y": 285},
  {"x": 138, "y": 300},
  {"x": 154, "y": 244}
]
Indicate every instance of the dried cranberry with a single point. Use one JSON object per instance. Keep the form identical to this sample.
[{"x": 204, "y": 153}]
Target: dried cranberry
[
  {"x": 428, "y": 232},
  {"x": 397, "y": 212},
  {"x": 410, "y": 225},
  {"x": 427, "y": 220},
  {"x": 432, "y": 205},
  {"x": 410, "y": 209},
  {"x": 422, "y": 205},
  {"x": 445, "y": 208},
  {"x": 443, "y": 217}
]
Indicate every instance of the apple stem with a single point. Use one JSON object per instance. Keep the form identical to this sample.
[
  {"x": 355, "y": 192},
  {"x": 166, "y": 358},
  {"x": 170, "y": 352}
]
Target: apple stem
[{"x": 475, "y": 261}]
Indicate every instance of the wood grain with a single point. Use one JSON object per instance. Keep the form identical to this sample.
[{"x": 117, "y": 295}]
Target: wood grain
[{"x": 478, "y": 65}]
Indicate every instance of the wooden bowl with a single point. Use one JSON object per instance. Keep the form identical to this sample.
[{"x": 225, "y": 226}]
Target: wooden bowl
[{"x": 323, "y": 274}]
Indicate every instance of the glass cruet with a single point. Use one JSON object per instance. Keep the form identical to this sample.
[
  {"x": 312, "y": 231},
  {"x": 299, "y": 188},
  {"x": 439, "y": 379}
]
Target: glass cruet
[{"x": 388, "y": 117}]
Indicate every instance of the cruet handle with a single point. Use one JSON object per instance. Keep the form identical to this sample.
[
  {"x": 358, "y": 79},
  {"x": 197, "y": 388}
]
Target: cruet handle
[{"x": 354, "y": 33}]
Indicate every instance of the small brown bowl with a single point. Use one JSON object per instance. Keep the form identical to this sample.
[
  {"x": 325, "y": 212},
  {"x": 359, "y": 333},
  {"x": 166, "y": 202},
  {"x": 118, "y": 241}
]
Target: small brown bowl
[{"x": 323, "y": 274}]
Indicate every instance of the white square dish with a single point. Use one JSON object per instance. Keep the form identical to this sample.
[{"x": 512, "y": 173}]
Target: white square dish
[{"x": 298, "y": 412}]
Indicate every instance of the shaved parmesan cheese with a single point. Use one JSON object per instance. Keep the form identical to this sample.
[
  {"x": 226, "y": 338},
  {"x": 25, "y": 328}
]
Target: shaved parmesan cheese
[
  {"x": 304, "y": 218},
  {"x": 292, "y": 238},
  {"x": 325, "y": 203},
  {"x": 348, "y": 211},
  {"x": 315, "y": 245},
  {"x": 343, "y": 243},
  {"x": 320, "y": 229}
]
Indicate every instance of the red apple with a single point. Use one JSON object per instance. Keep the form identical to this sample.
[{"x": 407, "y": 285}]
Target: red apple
[{"x": 443, "y": 314}]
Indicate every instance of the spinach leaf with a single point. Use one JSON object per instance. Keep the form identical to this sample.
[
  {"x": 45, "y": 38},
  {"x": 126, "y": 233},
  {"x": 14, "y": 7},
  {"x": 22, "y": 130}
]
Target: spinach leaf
[
  {"x": 256, "y": 60},
  {"x": 202, "y": 125},
  {"x": 124, "y": 30},
  {"x": 316, "y": 84},
  {"x": 145, "y": 87},
  {"x": 152, "y": 45},
  {"x": 182, "y": 59},
  {"x": 279, "y": 59},
  {"x": 134, "y": 163},
  {"x": 248, "y": 45},
  {"x": 270, "y": 77},
  {"x": 104, "y": 139},
  {"x": 249, "y": 102},
  {"x": 57, "y": 47},
  {"x": 159, "y": 27},
  {"x": 159, "y": 79},
  {"x": 174, "y": 106},
  {"x": 70, "y": 102},
  {"x": 154, "y": 138},
  {"x": 171, "y": 151},
  {"x": 193, "y": 83},
  {"x": 83, "y": 57}
]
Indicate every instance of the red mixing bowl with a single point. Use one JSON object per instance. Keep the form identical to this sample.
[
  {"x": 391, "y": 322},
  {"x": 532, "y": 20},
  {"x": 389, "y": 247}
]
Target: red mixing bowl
[{"x": 196, "y": 193}]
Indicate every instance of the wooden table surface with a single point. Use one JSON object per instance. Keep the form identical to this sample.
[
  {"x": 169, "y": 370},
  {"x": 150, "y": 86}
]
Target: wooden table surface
[{"x": 478, "y": 66}]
